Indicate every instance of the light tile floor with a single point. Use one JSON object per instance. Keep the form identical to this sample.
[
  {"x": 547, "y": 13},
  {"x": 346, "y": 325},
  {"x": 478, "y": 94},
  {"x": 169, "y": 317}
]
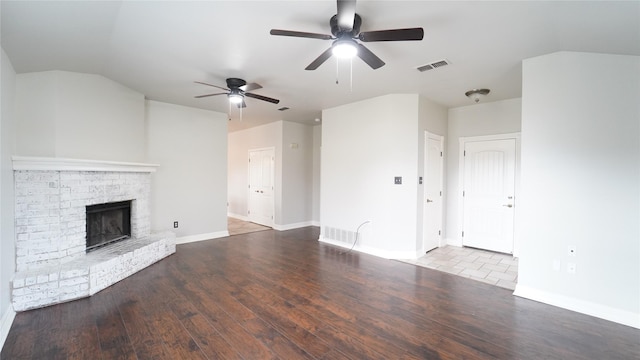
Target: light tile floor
[
  {"x": 237, "y": 226},
  {"x": 486, "y": 266}
]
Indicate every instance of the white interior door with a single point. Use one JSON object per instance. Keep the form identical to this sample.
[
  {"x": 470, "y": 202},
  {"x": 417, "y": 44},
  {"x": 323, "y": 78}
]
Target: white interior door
[
  {"x": 261, "y": 179},
  {"x": 488, "y": 194},
  {"x": 432, "y": 192}
]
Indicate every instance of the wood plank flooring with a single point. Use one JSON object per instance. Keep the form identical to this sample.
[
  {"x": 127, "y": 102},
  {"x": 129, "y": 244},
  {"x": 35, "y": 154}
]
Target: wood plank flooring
[{"x": 284, "y": 295}]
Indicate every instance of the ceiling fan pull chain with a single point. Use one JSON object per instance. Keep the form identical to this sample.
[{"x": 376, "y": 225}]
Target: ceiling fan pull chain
[{"x": 337, "y": 71}]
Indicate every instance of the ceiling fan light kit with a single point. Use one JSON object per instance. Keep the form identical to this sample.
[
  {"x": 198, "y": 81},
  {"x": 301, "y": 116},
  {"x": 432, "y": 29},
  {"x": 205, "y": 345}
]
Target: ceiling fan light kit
[
  {"x": 477, "y": 94},
  {"x": 345, "y": 30},
  {"x": 235, "y": 98},
  {"x": 344, "y": 49},
  {"x": 237, "y": 90}
]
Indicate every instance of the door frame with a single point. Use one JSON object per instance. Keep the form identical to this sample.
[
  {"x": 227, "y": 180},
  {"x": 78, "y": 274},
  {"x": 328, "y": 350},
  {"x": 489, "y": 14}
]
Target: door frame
[
  {"x": 462, "y": 141},
  {"x": 428, "y": 135},
  {"x": 273, "y": 175}
]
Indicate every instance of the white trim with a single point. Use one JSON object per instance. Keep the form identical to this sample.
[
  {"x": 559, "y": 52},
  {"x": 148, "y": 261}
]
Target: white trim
[
  {"x": 273, "y": 184},
  {"x": 386, "y": 254},
  {"x": 293, "y": 226},
  {"x": 63, "y": 164},
  {"x": 5, "y": 324},
  {"x": 237, "y": 216},
  {"x": 425, "y": 171},
  {"x": 279, "y": 227},
  {"x": 585, "y": 307},
  {"x": 201, "y": 237},
  {"x": 516, "y": 192}
]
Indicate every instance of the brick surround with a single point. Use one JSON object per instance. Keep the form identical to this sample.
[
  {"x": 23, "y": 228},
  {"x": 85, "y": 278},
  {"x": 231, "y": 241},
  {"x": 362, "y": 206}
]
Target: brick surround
[{"x": 51, "y": 196}]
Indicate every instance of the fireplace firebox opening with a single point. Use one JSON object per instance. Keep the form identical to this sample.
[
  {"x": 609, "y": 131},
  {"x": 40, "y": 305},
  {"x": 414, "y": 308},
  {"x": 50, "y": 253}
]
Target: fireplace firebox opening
[{"x": 108, "y": 223}]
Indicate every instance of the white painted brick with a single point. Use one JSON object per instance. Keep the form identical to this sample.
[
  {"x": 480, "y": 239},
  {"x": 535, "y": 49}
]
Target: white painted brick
[
  {"x": 18, "y": 283},
  {"x": 30, "y": 280},
  {"x": 50, "y": 229},
  {"x": 74, "y": 281},
  {"x": 71, "y": 273}
]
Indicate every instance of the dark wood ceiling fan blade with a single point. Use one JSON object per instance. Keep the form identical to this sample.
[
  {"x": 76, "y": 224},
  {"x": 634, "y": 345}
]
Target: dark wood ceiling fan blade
[
  {"x": 392, "y": 35},
  {"x": 215, "y": 86},
  {"x": 207, "y": 95},
  {"x": 319, "y": 60},
  {"x": 263, "y": 98},
  {"x": 251, "y": 87},
  {"x": 300, "y": 34},
  {"x": 370, "y": 58},
  {"x": 346, "y": 14}
]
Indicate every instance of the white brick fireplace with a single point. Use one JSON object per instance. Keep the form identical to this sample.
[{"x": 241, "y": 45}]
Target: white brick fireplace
[{"x": 51, "y": 196}]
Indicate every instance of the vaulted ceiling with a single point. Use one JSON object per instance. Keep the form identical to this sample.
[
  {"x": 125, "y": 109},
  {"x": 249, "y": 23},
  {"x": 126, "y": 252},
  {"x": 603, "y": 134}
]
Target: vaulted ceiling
[{"x": 159, "y": 48}]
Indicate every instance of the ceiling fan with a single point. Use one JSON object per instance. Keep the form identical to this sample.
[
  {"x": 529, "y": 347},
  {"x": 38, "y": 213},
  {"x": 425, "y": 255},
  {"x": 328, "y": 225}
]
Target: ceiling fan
[
  {"x": 345, "y": 30},
  {"x": 236, "y": 90}
]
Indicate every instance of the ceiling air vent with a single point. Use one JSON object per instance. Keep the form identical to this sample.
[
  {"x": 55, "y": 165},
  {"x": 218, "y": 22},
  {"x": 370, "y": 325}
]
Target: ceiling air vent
[
  {"x": 433, "y": 65},
  {"x": 284, "y": 108}
]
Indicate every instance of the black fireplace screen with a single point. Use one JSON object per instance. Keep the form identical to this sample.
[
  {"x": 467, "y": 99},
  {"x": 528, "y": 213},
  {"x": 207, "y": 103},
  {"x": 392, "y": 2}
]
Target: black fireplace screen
[{"x": 108, "y": 223}]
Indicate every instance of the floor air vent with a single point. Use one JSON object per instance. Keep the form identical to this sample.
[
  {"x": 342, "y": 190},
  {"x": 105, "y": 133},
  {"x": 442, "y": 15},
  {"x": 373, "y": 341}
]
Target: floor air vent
[
  {"x": 340, "y": 235},
  {"x": 433, "y": 65}
]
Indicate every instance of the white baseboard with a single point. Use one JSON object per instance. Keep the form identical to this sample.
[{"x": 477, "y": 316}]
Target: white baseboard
[
  {"x": 585, "y": 307},
  {"x": 200, "y": 237},
  {"x": 5, "y": 324},
  {"x": 238, "y": 216},
  {"x": 386, "y": 254},
  {"x": 293, "y": 226},
  {"x": 454, "y": 242}
]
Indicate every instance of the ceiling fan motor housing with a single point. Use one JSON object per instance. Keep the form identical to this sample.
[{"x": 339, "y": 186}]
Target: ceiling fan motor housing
[
  {"x": 234, "y": 83},
  {"x": 337, "y": 32}
]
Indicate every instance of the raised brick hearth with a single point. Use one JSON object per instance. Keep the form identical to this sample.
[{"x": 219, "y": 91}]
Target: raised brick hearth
[{"x": 50, "y": 211}]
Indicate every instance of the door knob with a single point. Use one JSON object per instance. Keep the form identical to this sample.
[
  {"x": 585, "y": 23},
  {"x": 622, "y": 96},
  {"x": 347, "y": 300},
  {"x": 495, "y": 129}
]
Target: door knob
[
  {"x": 429, "y": 200},
  {"x": 508, "y": 205}
]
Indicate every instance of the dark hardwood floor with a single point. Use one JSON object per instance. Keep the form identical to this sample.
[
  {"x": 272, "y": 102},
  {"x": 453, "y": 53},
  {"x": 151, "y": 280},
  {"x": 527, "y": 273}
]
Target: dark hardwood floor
[{"x": 284, "y": 295}]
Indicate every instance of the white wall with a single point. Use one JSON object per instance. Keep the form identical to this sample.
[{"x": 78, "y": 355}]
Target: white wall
[
  {"x": 315, "y": 198},
  {"x": 581, "y": 183},
  {"x": 36, "y": 111},
  {"x": 499, "y": 117},
  {"x": 240, "y": 142},
  {"x": 364, "y": 146},
  {"x": 73, "y": 115},
  {"x": 297, "y": 174},
  {"x": 190, "y": 185},
  {"x": 7, "y": 216}
]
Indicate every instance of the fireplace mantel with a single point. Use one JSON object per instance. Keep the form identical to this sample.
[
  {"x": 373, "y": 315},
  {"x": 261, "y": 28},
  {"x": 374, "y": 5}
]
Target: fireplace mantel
[{"x": 64, "y": 164}]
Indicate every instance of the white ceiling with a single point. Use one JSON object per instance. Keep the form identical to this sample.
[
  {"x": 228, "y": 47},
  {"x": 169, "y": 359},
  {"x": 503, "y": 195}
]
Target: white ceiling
[{"x": 160, "y": 48}]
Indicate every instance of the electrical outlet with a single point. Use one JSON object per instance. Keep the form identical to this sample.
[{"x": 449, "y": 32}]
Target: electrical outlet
[
  {"x": 571, "y": 250},
  {"x": 571, "y": 268},
  {"x": 397, "y": 180},
  {"x": 175, "y": 224}
]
